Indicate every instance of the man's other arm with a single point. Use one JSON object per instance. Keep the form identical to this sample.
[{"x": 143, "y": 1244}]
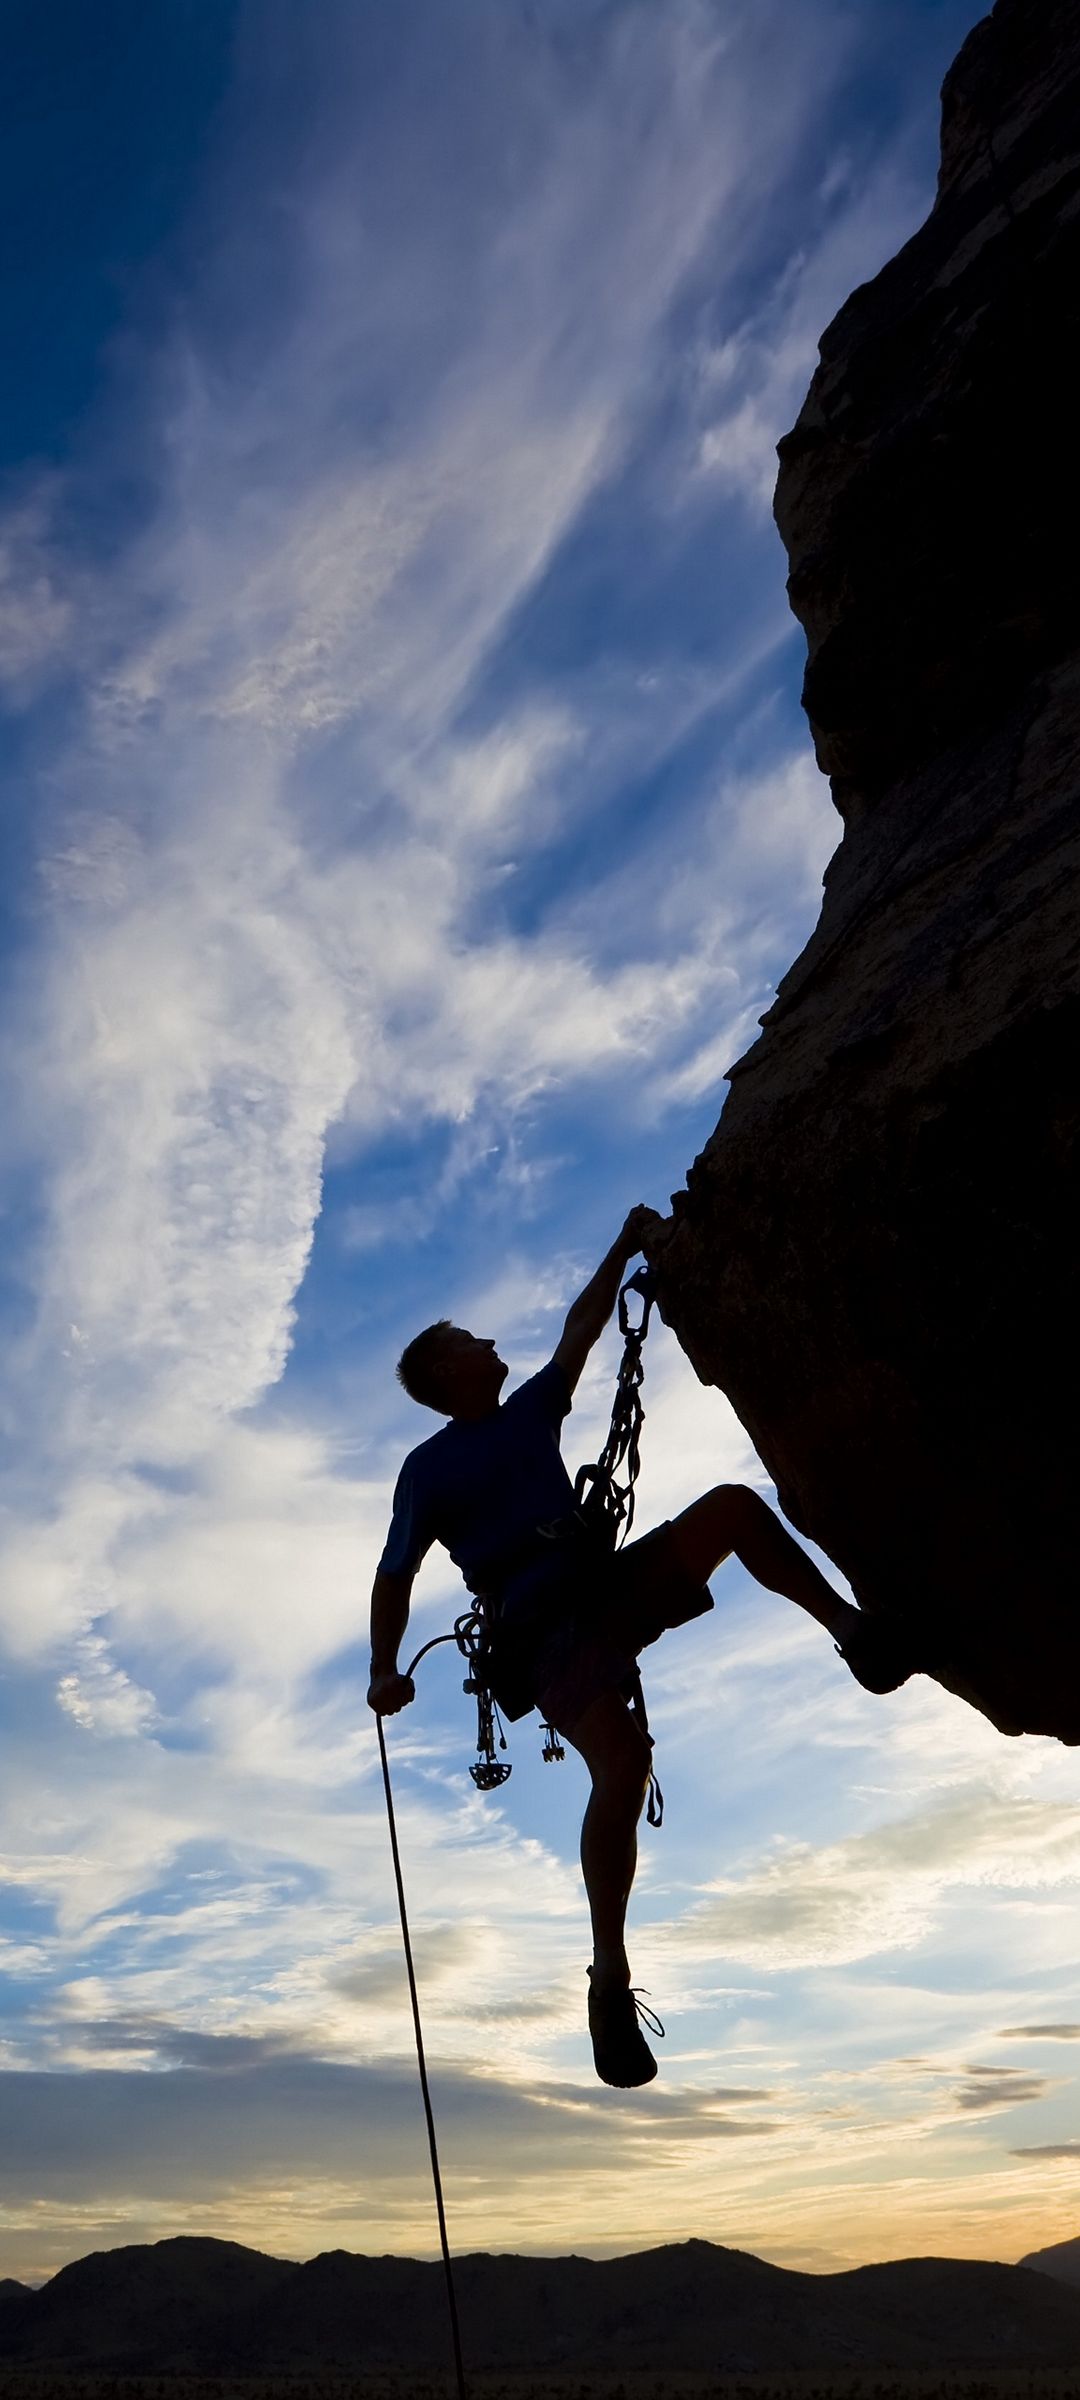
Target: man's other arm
[
  {"x": 389, "y": 1689},
  {"x": 594, "y": 1306}
]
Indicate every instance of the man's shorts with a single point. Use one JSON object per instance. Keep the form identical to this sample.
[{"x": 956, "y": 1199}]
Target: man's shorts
[{"x": 597, "y": 1621}]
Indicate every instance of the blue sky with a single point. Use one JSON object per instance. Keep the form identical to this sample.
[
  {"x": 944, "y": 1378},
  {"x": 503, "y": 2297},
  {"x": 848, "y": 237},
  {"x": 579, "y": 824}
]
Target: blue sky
[{"x": 407, "y": 815}]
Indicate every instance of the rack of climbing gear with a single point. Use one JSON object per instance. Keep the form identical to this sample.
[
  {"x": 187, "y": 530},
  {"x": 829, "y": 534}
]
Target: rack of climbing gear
[{"x": 472, "y": 1635}]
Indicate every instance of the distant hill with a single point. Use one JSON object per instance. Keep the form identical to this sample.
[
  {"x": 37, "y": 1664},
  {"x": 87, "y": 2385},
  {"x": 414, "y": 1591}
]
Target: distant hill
[
  {"x": 150, "y": 2301},
  {"x": 213, "y": 2307},
  {"x": 11, "y": 2293},
  {"x": 1061, "y": 2259}
]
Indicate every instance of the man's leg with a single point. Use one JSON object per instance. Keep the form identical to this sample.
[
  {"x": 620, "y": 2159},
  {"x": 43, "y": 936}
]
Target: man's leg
[
  {"x": 731, "y": 1520},
  {"x": 618, "y": 1758}
]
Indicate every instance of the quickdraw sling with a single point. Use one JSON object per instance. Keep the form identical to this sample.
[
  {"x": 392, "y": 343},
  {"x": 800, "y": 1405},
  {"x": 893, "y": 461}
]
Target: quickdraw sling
[{"x": 605, "y": 1504}]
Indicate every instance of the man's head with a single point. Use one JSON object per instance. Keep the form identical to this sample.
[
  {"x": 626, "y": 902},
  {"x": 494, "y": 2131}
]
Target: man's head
[{"x": 452, "y": 1371}]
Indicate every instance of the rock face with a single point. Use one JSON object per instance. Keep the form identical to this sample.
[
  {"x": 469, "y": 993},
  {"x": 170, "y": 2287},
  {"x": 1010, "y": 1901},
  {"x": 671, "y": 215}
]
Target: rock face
[{"x": 876, "y": 1256}]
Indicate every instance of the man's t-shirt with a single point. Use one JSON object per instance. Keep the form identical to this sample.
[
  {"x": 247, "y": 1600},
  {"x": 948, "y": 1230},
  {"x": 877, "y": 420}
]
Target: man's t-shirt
[{"x": 482, "y": 1487}]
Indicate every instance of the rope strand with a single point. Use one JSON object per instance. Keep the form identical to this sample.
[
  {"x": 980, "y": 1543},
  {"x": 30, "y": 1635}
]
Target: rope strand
[{"x": 451, "y": 2297}]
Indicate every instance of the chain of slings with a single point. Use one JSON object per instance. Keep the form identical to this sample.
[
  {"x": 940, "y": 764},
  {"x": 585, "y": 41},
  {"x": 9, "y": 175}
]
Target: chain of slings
[
  {"x": 604, "y": 1492},
  {"x": 605, "y": 1503}
]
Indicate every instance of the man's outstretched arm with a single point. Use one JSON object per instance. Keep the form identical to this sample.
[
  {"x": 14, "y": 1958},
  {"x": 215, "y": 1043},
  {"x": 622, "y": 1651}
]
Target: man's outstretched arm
[
  {"x": 389, "y": 1689},
  {"x": 593, "y": 1307}
]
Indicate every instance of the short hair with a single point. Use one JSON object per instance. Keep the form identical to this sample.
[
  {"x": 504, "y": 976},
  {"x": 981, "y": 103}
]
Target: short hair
[{"x": 418, "y": 1366}]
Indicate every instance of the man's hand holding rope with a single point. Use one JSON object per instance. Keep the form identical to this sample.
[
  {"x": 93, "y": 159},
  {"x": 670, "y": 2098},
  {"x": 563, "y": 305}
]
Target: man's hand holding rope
[{"x": 389, "y": 1692}]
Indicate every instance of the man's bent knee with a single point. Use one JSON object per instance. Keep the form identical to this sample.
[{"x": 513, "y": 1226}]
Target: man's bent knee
[
  {"x": 711, "y": 1528},
  {"x": 739, "y": 1498}
]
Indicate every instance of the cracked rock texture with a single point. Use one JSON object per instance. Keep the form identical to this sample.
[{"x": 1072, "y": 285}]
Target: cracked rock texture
[{"x": 876, "y": 1255}]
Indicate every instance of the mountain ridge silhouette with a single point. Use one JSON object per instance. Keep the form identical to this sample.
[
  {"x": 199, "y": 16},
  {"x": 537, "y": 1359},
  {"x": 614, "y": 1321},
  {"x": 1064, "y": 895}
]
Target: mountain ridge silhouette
[{"x": 193, "y": 2303}]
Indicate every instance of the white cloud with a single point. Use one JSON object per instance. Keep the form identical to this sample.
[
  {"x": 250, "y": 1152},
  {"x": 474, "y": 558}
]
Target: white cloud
[
  {"x": 58, "y": 1568},
  {"x": 100, "y": 1697},
  {"x": 882, "y": 1889},
  {"x": 194, "y": 1043}
]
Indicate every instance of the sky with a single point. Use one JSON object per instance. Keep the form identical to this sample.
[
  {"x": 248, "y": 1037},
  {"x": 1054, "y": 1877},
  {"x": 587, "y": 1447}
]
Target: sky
[{"x": 407, "y": 814}]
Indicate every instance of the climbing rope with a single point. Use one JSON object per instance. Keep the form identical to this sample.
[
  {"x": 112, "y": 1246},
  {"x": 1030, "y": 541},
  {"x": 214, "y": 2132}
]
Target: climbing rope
[{"x": 451, "y": 2297}]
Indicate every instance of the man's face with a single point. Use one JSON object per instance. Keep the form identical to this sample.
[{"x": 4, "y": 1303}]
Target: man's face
[{"x": 471, "y": 1373}]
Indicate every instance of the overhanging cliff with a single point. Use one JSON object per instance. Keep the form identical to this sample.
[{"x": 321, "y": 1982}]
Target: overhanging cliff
[{"x": 876, "y": 1256}]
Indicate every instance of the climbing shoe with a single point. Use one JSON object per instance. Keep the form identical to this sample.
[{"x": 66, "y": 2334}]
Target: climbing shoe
[
  {"x": 622, "y": 2054},
  {"x": 878, "y": 1654}
]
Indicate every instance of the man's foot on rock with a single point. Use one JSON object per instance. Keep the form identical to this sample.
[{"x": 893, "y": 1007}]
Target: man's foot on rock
[
  {"x": 621, "y": 2053},
  {"x": 877, "y": 1652}
]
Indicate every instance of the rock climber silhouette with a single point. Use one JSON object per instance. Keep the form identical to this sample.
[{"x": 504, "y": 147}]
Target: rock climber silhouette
[{"x": 492, "y": 1487}]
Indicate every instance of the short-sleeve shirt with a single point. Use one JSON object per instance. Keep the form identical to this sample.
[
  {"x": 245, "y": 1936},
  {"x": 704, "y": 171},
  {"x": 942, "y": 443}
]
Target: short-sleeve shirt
[{"x": 483, "y": 1486}]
